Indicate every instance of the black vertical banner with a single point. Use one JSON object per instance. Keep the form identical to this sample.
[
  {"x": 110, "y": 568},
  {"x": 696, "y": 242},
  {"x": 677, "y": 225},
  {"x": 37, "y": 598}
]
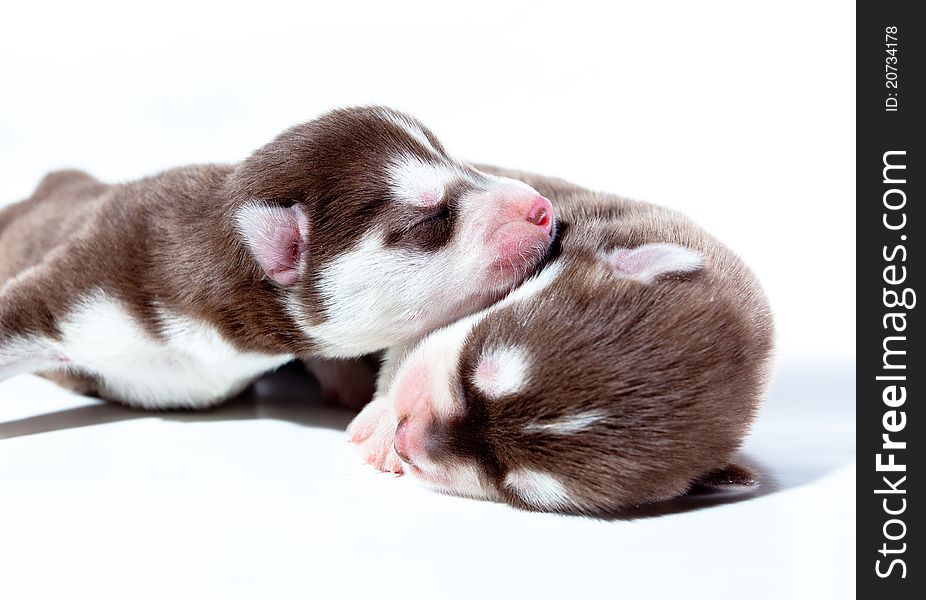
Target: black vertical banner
[{"x": 891, "y": 368}]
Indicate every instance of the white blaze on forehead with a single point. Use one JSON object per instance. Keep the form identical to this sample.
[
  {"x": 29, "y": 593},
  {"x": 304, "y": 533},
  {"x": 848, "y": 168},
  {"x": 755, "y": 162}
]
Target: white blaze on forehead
[
  {"x": 537, "y": 489},
  {"x": 417, "y": 181},
  {"x": 501, "y": 371},
  {"x": 567, "y": 425}
]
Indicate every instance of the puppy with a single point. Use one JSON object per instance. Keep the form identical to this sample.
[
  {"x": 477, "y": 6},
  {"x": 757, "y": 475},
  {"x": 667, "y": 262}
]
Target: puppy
[
  {"x": 625, "y": 372},
  {"x": 343, "y": 236}
]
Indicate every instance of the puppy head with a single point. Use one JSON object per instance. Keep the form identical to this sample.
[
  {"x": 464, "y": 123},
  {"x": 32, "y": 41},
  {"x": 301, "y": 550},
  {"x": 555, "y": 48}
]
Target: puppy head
[
  {"x": 606, "y": 381},
  {"x": 377, "y": 234}
]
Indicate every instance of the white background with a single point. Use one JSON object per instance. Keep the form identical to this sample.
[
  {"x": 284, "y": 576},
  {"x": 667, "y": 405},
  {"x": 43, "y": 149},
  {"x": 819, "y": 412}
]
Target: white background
[{"x": 740, "y": 114}]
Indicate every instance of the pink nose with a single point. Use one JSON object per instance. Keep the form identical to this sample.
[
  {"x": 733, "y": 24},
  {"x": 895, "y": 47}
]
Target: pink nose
[{"x": 541, "y": 214}]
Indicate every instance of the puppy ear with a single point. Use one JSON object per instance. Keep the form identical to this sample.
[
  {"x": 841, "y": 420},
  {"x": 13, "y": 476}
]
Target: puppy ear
[
  {"x": 730, "y": 476},
  {"x": 648, "y": 262},
  {"x": 277, "y": 237}
]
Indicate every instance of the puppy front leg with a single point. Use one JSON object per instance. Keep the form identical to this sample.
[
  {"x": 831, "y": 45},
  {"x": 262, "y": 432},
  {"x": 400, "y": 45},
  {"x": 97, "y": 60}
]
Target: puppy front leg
[
  {"x": 348, "y": 382},
  {"x": 373, "y": 430},
  {"x": 28, "y": 327}
]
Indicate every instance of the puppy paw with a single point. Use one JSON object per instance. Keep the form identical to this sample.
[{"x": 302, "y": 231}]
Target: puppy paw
[{"x": 373, "y": 433}]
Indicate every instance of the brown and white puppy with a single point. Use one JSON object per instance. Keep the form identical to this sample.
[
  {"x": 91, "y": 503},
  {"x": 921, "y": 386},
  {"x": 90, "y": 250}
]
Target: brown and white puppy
[
  {"x": 344, "y": 235},
  {"x": 626, "y": 371}
]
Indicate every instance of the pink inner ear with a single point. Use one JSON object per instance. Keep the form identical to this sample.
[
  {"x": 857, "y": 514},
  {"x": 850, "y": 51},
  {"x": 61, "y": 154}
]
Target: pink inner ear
[
  {"x": 628, "y": 261},
  {"x": 277, "y": 238},
  {"x": 649, "y": 261}
]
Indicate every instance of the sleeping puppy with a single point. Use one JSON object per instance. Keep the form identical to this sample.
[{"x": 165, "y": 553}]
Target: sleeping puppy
[
  {"x": 625, "y": 372},
  {"x": 343, "y": 236}
]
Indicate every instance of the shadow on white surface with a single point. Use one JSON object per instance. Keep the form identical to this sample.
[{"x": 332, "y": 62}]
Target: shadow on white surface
[
  {"x": 766, "y": 483},
  {"x": 778, "y": 451},
  {"x": 289, "y": 394}
]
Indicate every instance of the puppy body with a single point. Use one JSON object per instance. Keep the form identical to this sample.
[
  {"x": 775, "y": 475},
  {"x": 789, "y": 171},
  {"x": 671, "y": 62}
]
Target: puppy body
[
  {"x": 625, "y": 372},
  {"x": 143, "y": 282},
  {"x": 335, "y": 240}
]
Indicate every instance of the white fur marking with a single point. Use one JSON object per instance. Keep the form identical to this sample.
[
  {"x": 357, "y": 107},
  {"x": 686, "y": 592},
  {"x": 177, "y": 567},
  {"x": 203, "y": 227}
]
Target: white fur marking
[
  {"x": 456, "y": 479},
  {"x": 418, "y": 182},
  {"x": 373, "y": 296},
  {"x": 537, "y": 489},
  {"x": 365, "y": 295},
  {"x": 193, "y": 367},
  {"x": 26, "y": 355},
  {"x": 411, "y": 128},
  {"x": 441, "y": 354},
  {"x": 501, "y": 372},
  {"x": 567, "y": 425}
]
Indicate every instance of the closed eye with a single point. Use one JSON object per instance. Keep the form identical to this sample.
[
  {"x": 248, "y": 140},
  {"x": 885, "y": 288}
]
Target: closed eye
[
  {"x": 433, "y": 218},
  {"x": 432, "y": 230}
]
